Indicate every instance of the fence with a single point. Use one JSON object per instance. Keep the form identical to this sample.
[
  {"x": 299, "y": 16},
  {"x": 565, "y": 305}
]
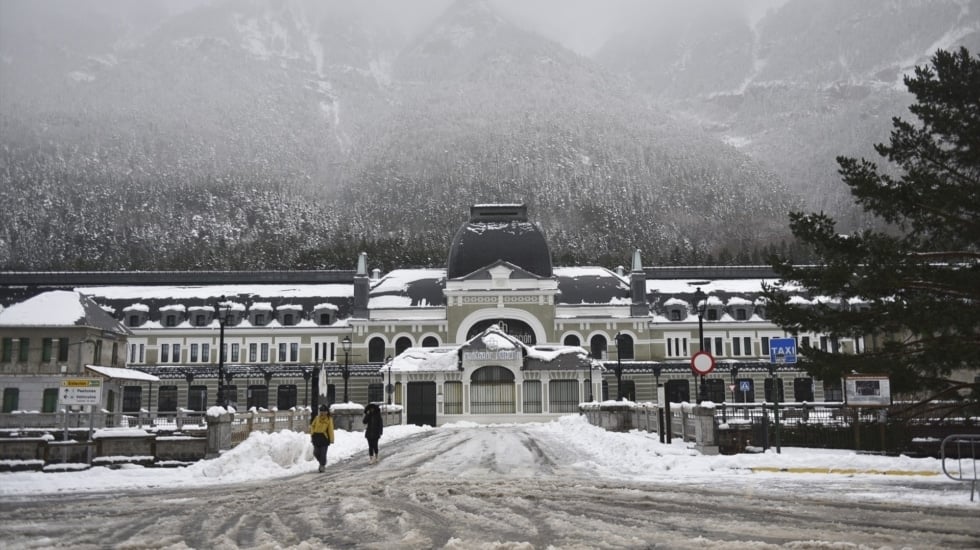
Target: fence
[{"x": 965, "y": 449}]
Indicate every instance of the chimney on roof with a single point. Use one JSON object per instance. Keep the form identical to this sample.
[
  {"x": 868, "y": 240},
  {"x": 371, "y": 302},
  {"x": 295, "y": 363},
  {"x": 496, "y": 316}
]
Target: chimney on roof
[
  {"x": 362, "y": 287},
  {"x": 638, "y": 288}
]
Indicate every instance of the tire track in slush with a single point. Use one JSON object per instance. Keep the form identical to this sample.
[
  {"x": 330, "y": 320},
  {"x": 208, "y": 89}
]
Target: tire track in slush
[{"x": 506, "y": 484}]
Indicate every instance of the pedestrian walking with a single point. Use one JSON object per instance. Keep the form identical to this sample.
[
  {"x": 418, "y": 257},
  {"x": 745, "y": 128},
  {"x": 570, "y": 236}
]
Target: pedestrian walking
[
  {"x": 321, "y": 433},
  {"x": 373, "y": 427}
]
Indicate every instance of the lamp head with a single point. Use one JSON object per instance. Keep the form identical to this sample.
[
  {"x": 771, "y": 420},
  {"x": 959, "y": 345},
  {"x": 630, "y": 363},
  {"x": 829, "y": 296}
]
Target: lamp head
[
  {"x": 345, "y": 344},
  {"x": 700, "y": 301}
]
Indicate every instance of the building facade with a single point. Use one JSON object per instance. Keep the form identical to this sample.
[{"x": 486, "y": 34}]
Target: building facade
[{"x": 265, "y": 339}]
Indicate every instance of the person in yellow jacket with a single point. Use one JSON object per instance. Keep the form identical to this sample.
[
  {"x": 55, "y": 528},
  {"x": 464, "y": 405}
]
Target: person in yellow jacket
[{"x": 321, "y": 432}]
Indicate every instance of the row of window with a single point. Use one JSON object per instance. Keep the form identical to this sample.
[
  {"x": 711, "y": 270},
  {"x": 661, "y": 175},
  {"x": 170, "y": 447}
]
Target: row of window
[
  {"x": 256, "y": 318},
  {"x": 52, "y": 349}
]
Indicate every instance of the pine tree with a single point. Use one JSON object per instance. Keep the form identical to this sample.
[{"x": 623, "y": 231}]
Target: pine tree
[{"x": 913, "y": 289}]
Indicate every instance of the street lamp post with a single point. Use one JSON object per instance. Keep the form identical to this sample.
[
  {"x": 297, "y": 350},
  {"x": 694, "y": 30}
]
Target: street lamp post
[
  {"x": 389, "y": 389},
  {"x": 619, "y": 367},
  {"x": 221, "y": 314},
  {"x": 591, "y": 384},
  {"x": 700, "y": 303},
  {"x": 345, "y": 344}
]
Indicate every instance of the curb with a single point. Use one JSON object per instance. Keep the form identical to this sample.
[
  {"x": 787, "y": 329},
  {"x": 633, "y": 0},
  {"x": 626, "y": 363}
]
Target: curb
[{"x": 843, "y": 471}]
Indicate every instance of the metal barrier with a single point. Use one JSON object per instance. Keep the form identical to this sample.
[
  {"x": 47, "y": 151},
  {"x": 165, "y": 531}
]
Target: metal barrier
[{"x": 963, "y": 442}]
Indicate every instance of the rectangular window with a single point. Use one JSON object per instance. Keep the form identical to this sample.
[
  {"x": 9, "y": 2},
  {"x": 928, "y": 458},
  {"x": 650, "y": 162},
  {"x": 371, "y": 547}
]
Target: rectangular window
[
  {"x": 805, "y": 342},
  {"x": 176, "y": 353},
  {"x": 712, "y": 314},
  {"x": 24, "y": 350},
  {"x": 778, "y": 385},
  {"x": 253, "y": 353},
  {"x": 206, "y": 353},
  {"x": 62, "y": 349},
  {"x": 803, "y": 389},
  {"x": 132, "y": 398},
  {"x": 167, "y": 399},
  {"x": 134, "y": 320},
  {"x": 453, "y": 397},
  {"x": 285, "y": 397},
  {"x": 47, "y": 344},
  {"x": 197, "y": 398},
  {"x": 764, "y": 343},
  {"x": 11, "y": 399},
  {"x": 736, "y": 347},
  {"x": 171, "y": 321},
  {"x": 142, "y": 353},
  {"x": 563, "y": 396},
  {"x": 706, "y": 345},
  {"x": 823, "y": 343},
  {"x": 265, "y": 353},
  {"x": 132, "y": 353},
  {"x": 259, "y": 319},
  {"x": 258, "y": 396},
  {"x": 231, "y": 394},
  {"x": 715, "y": 390},
  {"x": 833, "y": 390},
  {"x": 49, "y": 401},
  {"x": 164, "y": 353},
  {"x": 282, "y": 353},
  {"x": 235, "y": 350},
  {"x": 532, "y": 396},
  {"x": 193, "y": 353},
  {"x": 719, "y": 346},
  {"x": 739, "y": 314},
  {"x": 287, "y": 319},
  {"x": 8, "y": 349},
  {"x": 294, "y": 352}
]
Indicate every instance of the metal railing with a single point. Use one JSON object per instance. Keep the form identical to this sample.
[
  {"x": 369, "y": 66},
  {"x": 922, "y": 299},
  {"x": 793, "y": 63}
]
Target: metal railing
[{"x": 966, "y": 447}]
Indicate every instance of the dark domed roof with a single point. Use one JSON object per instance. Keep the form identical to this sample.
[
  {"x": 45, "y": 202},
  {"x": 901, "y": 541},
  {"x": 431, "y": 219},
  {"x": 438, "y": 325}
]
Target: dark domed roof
[{"x": 498, "y": 232}]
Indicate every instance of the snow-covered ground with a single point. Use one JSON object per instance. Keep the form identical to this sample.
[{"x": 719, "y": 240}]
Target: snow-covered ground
[
  {"x": 465, "y": 484},
  {"x": 636, "y": 456}
]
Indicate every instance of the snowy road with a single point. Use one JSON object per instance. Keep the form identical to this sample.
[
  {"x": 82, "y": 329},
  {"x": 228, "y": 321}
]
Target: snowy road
[{"x": 498, "y": 487}]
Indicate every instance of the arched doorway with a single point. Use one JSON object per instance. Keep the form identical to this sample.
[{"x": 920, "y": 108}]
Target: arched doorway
[{"x": 492, "y": 391}]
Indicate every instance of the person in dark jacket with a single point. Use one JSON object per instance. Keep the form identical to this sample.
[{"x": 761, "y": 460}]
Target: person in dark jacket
[{"x": 373, "y": 427}]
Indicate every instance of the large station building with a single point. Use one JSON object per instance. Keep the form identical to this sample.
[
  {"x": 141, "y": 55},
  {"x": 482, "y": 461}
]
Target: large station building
[{"x": 499, "y": 334}]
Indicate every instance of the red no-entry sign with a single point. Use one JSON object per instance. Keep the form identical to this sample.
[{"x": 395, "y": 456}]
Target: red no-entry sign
[{"x": 702, "y": 363}]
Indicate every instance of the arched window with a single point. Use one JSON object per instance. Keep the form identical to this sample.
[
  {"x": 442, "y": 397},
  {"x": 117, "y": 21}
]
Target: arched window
[
  {"x": 598, "y": 346},
  {"x": 572, "y": 340},
  {"x": 402, "y": 344},
  {"x": 624, "y": 346},
  {"x": 430, "y": 342},
  {"x": 492, "y": 391},
  {"x": 376, "y": 350}
]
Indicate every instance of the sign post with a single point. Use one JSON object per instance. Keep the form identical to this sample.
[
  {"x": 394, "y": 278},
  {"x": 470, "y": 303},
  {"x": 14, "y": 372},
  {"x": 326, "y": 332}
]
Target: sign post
[{"x": 781, "y": 351}]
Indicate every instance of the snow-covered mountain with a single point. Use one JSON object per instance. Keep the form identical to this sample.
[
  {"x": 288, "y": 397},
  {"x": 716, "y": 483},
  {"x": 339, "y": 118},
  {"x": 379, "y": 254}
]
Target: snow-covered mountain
[
  {"x": 797, "y": 85},
  {"x": 292, "y": 131}
]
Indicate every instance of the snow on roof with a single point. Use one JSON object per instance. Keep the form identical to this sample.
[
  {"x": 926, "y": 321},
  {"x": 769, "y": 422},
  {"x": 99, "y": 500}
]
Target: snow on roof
[
  {"x": 290, "y": 307},
  {"x": 688, "y": 286},
  {"x": 426, "y": 359},
  {"x": 53, "y": 308},
  {"x": 122, "y": 374},
  {"x": 495, "y": 341},
  {"x": 739, "y": 301},
  {"x": 551, "y": 353},
  {"x": 137, "y": 307},
  {"x": 262, "y": 306},
  {"x": 216, "y": 291},
  {"x": 398, "y": 279},
  {"x": 325, "y": 305},
  {"x": 173, "y": 307},
  {"x": 675, "y": 302},
  {"x": 584, "y": 271}
]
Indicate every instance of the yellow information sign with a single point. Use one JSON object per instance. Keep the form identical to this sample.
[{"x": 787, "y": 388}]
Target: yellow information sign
[{"x": 81, "y": 391}]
